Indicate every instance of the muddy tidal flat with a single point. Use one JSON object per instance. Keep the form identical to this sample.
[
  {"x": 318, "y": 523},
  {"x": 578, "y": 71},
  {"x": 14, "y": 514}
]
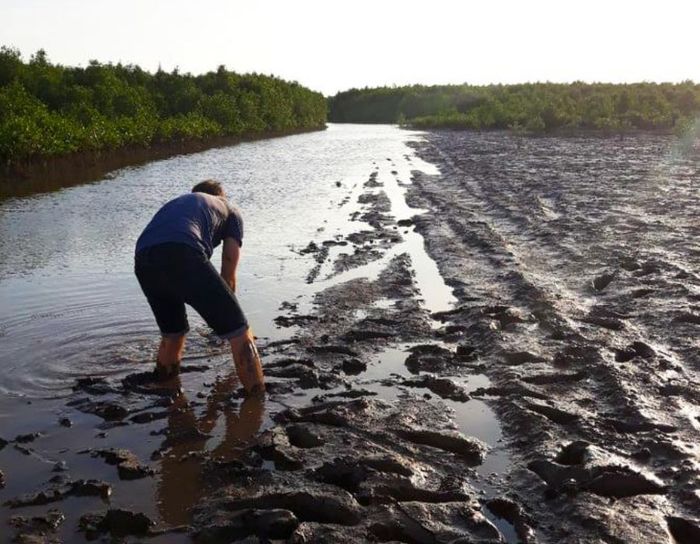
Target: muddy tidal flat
[{"x": 467, "y": 338}]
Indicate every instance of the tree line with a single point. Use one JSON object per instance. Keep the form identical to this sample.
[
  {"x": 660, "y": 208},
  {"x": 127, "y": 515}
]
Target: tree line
[
  {"x": 50, "y": 110},
  {"x": 531, "y": 107}
]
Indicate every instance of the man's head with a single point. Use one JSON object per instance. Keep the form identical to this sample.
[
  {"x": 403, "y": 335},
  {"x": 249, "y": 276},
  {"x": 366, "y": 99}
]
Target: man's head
[{"x": 210, "y": 187}]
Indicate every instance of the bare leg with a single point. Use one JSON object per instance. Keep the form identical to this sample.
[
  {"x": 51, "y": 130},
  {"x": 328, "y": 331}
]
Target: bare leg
[
  {"x": 170, "y": 355},
  {"x": 247, "y": 361}
]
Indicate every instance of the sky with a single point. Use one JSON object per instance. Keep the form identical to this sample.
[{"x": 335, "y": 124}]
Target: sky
[{"x": 331, "y": 46}]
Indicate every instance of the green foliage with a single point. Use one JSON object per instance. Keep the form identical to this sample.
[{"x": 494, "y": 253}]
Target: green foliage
[
  {"x": 188, "y": 125},
  {"x": 49, "y": 110},
  {"x": 532, "y": 107}
]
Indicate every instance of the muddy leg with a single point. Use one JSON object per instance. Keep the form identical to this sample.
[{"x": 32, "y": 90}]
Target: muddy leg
[
  {"x": 247, "y": 361},
  {"x": 170, "y": 355}
]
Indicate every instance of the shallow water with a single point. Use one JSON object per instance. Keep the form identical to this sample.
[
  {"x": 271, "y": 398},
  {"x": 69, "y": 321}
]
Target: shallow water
[
  {"x": 473, "y": 418},
  {"x": 71, "y": 308},
  {"x": 523, "y": 222},
  {"x": 70, "y": 303},
  {"x": 435, "y": 295}
]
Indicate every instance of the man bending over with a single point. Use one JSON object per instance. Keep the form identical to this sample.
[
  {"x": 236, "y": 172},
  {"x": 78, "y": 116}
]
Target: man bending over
[{"x": 172, "y": 266}]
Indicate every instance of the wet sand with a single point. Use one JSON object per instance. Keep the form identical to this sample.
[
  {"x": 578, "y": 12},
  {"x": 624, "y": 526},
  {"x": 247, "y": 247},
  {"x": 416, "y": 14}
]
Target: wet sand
[{"x": 486, "y": 353}]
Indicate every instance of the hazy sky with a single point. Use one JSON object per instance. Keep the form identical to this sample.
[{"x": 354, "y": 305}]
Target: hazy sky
[{"x": 331, "y": 45}]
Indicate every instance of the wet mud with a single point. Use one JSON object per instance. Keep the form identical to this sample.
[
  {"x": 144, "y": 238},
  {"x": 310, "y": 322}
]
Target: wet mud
[
  {"x": 576, "y": 265},
  {"x": 486, "y": 354},
  {"x": 364, "y": 433}
]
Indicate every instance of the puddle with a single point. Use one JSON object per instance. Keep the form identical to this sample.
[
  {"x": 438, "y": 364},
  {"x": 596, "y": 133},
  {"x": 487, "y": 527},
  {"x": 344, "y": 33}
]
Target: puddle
[
  {"x": 508, "y": 532},
  {"x": 473, "y": 418},
  {"x": 436, "y": 296}
]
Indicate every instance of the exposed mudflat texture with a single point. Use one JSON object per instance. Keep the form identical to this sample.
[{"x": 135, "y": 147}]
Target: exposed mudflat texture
[
  {"x": 502, "y": 351},
  {"x": 576, "y": 263},
  {"x": 375, "y": 425}
]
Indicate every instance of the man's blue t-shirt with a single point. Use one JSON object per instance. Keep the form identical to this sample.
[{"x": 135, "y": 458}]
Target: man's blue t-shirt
[{"x": 199, "y": 220}]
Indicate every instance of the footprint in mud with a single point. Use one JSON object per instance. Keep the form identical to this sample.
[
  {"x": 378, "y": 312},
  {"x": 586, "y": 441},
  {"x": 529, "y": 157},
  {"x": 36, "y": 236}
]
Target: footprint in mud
[
  {"x": 555, "y": 378},
  {"x": 443, "y": 387},
  {"x": 606, "y": 481},
  {"x": 600, "y": 282},
  {"x": 429, "y": 358},
  {"x": 117, "y": 523},
  {"x": 470, "y": 449},
  {"x": 635, "y": 349},
  {"x": 556, "y": 415},
  {"x": 641, "y": 292},
  {"x": 516, "y": 358},
  {"x": 688, "y": 317},
  {"x": 513, "y": 513},
  {"x": 683, "y": 530}
]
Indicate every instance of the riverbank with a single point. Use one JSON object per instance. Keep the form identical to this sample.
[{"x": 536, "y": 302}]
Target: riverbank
[
  {"x": 532, "y": 107},
  {"x": 62, "y": 122},
  {"x": 52, "y": 173}
]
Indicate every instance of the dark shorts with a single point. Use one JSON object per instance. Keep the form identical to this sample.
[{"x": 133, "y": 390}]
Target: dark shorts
[{"x": 172, "y": 275}]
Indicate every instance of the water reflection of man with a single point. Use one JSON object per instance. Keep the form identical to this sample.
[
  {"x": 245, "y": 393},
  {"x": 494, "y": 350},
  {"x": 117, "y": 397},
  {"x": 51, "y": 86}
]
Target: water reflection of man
[
  {"x": 173, "y": 268},
  {"x": 181, "y": 484}
]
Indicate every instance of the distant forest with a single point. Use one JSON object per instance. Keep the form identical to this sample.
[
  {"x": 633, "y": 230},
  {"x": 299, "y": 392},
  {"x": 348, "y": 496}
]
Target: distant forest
[
  {"x": 51, "y": 110},
  {"x": 531, "y": 107}
]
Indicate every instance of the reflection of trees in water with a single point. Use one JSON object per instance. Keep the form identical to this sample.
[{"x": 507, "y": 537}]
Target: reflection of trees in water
[{"x": 180, "y": 485}]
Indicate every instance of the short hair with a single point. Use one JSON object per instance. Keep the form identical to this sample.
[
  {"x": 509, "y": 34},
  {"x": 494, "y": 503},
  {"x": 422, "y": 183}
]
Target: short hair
[{"x": 210, "y": 187}]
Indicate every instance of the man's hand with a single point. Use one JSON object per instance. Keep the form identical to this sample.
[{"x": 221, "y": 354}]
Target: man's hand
[{"x": 229, "y": 262}]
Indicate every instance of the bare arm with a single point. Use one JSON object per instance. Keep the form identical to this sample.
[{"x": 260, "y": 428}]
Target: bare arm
[{"x": 229, "y": 261}]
